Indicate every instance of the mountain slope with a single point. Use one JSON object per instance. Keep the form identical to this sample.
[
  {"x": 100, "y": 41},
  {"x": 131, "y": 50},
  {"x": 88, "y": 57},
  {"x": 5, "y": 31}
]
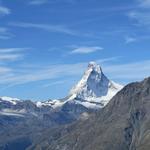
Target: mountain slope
[
  {"x": 21, "y": 122},
  {"x": 94, "y": 89},
  {"x": 11, "y": 100},
  {"x": 124, "y": 124},
  {"x": 92, "y": 92}
]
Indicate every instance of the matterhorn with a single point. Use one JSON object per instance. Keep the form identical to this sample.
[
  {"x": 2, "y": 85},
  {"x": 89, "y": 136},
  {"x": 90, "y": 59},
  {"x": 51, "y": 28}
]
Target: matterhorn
[{"x": 94, "y": 90}]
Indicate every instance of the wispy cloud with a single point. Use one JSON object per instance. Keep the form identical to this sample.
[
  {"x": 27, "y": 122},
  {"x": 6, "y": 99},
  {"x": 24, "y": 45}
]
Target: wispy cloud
[
  {"x": 46, "y": 27},
  {"x": 13, "y": 50},
  {"x": 11, "y": 54},
  {"x": 10, "y": 57},
  {"x": 86, "y": 50},
  {"x": 144, "y": 3},
  {"x": 141, "y": 14},
  {"x": 41, "y": 2},
  {"x": 130, "y": 39},
  {"x": 51, "y": 72},
  {"x": 142, "y": 18},
  {"x": 38, "y": 2},
  {"x": 55, "y": 83},
  {"x": 4, "y": 70},
  {"x": 5, "y": 34},
  {"x": 4, "y": 11},
  {"x": 3, "y": 30},
  {"x": 107, "y": 60},
  {"x": 23, "y": 75},
  {"x": 125, "y": 72},
  {"x": 129, "y": 71}
]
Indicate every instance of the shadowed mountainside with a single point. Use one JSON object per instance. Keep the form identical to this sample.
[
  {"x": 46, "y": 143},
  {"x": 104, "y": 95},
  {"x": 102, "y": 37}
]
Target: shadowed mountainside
[{"x": 124, "y": 124}]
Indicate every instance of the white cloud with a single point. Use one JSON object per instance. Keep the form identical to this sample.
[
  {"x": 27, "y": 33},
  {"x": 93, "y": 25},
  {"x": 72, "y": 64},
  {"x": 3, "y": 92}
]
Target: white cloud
[
  {"x": 86, "y": 50},
  {"x": 4, "y": 11},
  {"x": 46, "y": 27}
]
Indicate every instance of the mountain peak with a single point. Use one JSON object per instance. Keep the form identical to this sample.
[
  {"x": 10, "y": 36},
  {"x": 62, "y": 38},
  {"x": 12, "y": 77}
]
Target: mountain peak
[
  {"x": 93, "y": 71},
  {"x": 94, "y": 87},
  {"x": 94, "y": 66},
  {"x": 9, "y": 99}
]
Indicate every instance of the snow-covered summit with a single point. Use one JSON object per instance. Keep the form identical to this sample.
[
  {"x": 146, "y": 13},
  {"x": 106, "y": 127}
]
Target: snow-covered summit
[
  {"x": 94, "y": 89},
  {"x": 9, "y": 99},
  {"x": 92, "y": 65},
  {"x": 93, "y": 72},
  {"x": 52, "y": 103}
]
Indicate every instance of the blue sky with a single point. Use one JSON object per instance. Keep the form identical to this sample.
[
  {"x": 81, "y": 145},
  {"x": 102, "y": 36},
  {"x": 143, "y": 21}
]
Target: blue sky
[{"x": 45, "y": 45}]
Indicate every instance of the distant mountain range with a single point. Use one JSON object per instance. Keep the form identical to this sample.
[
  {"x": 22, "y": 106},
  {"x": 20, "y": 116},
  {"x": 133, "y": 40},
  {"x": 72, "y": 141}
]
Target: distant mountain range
[
  {"x": 92, "y": 92},
  {"x": 97, "y": 114},
  {"x": 124, "y": 124}
]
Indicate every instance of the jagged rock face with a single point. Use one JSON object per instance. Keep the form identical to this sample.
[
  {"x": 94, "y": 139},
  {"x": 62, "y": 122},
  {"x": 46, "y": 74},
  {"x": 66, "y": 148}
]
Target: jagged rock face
[
  {"x": 94, "y": 89},
  {"x": 28, "y": 118},
  {"x": 124, "y": 124},
  {"x": 92, "y": 92},
  {"x": 93, "y": 83},
  {"x": 15, "y": 107}
]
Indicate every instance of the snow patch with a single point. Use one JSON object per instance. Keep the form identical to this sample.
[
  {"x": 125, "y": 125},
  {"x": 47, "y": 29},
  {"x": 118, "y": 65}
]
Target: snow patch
[
  {"x": 12, "y": 112},
  {"x": 9, "y": 99},
  {"x": 52, "y": 103}
]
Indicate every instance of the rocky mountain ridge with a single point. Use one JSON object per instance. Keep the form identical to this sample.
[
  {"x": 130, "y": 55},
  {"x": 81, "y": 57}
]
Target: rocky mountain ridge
[
  {"x": 92, "y": 92},
  {"x": 124, "y": 124}
]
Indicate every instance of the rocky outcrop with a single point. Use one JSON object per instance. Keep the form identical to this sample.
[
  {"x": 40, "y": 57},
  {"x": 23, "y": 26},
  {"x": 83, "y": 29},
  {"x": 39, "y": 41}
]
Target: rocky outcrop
[{"x": 124, "y": 124}]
